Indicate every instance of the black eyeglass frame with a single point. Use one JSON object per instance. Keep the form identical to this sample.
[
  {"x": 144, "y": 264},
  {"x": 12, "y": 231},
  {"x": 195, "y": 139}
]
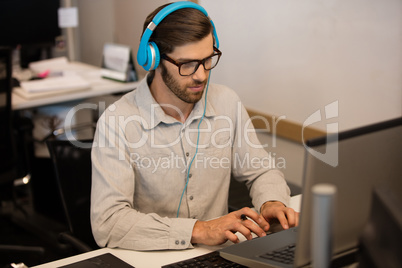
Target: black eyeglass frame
[{"x": 179, "y": 64}]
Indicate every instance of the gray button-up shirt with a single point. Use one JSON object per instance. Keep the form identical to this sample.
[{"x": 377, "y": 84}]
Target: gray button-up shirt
[{"x": 140, "y": 167}]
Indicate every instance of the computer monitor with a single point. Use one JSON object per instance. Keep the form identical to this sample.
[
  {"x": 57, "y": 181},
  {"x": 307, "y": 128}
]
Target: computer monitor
[
  {"x": 33, "y": 25},
  {"x": 28, "y": 22},
  {"x": 381, "y": 239},
  {"x": 368, "y": 157}
]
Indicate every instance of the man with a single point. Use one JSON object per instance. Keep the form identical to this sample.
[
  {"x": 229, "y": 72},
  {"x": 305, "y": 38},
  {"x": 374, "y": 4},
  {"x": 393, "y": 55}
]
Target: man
[{"x": 164, "y": 153}]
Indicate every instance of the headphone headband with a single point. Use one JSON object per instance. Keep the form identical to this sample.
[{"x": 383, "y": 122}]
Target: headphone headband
[{"x": 148, "y": 53}]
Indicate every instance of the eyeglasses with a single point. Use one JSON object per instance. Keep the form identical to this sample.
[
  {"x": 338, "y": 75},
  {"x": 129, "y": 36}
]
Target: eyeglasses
[{"x": 190, "y": 67}]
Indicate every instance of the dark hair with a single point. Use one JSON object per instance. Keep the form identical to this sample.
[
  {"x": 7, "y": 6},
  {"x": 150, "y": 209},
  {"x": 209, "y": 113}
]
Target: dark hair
[{"x": 179, "y": 28}]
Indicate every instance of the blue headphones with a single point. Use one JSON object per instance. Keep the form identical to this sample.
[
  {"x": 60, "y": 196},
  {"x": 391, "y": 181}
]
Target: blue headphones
[{"x": 148, "y": 52}]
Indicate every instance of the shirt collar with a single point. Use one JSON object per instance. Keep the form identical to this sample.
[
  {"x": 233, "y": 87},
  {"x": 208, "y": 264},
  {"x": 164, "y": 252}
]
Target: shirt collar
[{"x": 152, "y": 114}]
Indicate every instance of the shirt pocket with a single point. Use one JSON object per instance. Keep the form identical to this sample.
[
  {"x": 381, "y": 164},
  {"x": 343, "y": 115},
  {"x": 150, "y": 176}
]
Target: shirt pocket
[
  {"x": 158, "y": 176},
  {"x": 156, "y": 164}
]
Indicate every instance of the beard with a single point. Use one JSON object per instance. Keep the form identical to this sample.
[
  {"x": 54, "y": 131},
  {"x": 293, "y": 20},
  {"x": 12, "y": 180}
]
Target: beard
[{"x": 181, "y": 91}]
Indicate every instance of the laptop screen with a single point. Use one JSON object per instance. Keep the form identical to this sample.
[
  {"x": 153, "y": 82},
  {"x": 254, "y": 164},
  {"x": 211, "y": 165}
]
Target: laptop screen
[{"x": 365, "y": 158}]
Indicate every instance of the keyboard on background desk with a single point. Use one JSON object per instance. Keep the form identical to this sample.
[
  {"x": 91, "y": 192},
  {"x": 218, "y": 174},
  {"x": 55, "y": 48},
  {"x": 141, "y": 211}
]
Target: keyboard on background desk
[{"x": 212, "y": 259}]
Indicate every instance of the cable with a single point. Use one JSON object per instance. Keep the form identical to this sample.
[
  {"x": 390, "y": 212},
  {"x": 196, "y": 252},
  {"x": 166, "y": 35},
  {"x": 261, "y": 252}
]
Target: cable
[{"x": 196, "y": 149}]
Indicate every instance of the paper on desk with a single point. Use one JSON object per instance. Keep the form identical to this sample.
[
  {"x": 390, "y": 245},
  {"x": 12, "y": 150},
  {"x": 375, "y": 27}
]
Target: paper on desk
[
  {"x": 69, "y": 82},
  {"x": 55, "y": 64},
  {"x": 116, "y": 57}
]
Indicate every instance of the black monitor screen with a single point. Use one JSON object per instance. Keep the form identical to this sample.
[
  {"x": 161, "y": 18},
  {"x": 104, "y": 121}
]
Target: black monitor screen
[{"x": 28, "y": 22}]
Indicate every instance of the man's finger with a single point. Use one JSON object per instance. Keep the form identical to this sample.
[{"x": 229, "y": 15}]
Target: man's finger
[
  {"x": 232, "y": 237},
  {"x": 254, "y": 228},
  {"x": 291, "y": 217},
  {"x": 283, "y": 220},
  {"x": 253, "y": 215}
]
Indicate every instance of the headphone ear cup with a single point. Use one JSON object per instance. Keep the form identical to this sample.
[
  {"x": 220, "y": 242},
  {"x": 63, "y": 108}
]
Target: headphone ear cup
[
  {"x": 157, "y": 56},
  {"x": 153, "y": 57}
]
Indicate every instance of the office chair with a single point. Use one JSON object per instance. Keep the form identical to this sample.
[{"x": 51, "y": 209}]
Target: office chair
[
  {"x": 9, "y": 158},
  {"x": 72, "y": 166}
]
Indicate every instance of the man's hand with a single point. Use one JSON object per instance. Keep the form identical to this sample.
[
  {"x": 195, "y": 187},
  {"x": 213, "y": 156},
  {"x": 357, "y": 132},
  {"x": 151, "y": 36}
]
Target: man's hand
[
  {"x": 218, "y": 231},
  {"x": 274, "y": 210}
]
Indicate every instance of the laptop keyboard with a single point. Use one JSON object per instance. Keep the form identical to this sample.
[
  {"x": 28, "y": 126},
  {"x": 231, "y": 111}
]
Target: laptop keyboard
[
  {"x": 212, "y": 259},
  {"x": 283, "y": 255}
]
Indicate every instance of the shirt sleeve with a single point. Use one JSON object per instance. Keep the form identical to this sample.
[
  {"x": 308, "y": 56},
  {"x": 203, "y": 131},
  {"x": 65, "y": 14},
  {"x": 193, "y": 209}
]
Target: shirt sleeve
[
  {"x": 115, "y": 222},
  {"x": 253, "y": 165}
]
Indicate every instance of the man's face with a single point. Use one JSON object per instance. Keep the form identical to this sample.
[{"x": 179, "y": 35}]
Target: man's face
[{"x": 189, "y": 89}]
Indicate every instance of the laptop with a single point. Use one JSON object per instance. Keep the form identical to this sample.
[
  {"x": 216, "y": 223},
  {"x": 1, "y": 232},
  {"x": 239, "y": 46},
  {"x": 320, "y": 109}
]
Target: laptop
[{"x": 367, "y": 158}]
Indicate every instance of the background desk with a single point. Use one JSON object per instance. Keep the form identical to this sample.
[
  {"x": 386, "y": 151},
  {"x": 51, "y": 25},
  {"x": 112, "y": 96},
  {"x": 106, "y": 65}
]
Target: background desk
[
  {"x": 40, "y": 109},
  {"x": 151, "y": 259},
  {"x": 99, "y": 87}
]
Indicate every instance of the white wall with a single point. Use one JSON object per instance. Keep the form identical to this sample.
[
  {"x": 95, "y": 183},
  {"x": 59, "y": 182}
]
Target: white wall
[
  {"x": 111, "y": 21},
  {"x": 96, "y": 27},
  {"x": 129, "y": 17},
  {"x": 293, "y": 57},
  {"x": 284, "y": 57},
  {"x": 288, "y": 156}
]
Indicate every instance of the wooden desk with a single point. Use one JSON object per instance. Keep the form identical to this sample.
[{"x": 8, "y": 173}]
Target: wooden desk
[
  {"x": 99, "y": 87},
  {"x": 151, "y": 259}
]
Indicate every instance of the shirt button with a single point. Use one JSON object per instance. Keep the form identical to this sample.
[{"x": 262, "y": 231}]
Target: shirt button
[
  {"x": 187, "y": 154},
  {"x": 183, "y": 242},
  {"x": 177, "y": 242},
  {"x": 190, "y": 175},
  {"x": 191, "y": 197}
]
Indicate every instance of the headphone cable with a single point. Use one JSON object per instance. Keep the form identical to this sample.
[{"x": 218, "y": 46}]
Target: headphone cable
[{"x": 196, "y": 150}]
